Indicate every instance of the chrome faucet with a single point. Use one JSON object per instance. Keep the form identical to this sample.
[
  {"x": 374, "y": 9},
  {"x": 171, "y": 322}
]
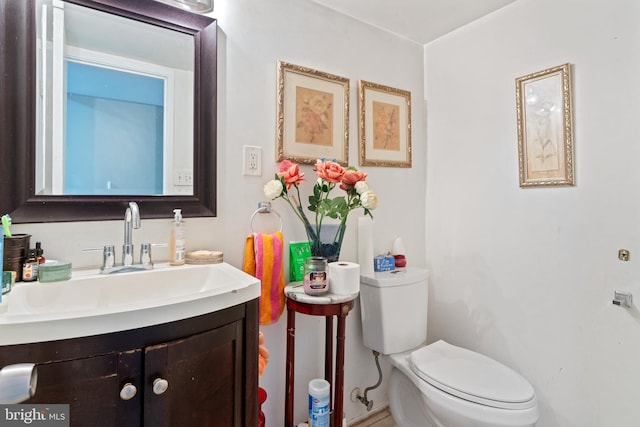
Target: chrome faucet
[{"x": 131, "y": 221}]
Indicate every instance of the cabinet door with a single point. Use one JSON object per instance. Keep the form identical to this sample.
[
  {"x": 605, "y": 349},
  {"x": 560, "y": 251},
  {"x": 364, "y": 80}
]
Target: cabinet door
[
  {"x": 204, "y": 379},
  {"x": 91, "y": 386}
]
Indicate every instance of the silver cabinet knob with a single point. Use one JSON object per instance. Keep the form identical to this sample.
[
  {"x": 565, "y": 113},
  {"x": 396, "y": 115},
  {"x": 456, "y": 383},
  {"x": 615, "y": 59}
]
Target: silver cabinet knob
[
  {"x": 160, "y": 385},
  {"x": 128, "y": 391}
]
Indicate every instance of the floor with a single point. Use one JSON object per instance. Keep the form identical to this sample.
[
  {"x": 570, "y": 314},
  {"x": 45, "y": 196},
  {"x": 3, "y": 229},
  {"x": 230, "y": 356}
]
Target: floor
[{"x": 379, "y": 419}]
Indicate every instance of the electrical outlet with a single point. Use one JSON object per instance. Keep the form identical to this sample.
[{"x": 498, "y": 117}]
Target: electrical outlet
[
  {"x": 182, "y": 177},
  {"x": 251, "y": 160}
]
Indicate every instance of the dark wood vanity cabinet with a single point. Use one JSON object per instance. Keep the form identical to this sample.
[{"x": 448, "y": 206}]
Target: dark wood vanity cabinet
[
  {"x": 90, "y": 386},
  {"x": 197, "y": 372}
]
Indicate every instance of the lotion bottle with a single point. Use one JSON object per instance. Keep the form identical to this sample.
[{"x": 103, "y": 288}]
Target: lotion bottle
[{"x": 176, "y": 242}]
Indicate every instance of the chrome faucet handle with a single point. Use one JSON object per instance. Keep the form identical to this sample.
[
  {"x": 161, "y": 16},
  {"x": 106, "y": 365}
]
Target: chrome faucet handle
[
  {"x": 145, "y": 254},
  {"x": 108, "y": 255}
]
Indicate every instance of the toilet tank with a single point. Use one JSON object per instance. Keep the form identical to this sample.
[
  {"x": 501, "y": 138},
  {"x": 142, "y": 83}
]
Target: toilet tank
[{"x": 393, "y": 307}]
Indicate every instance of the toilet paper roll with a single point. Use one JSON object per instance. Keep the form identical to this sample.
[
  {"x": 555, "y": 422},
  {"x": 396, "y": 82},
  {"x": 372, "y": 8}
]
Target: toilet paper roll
[
  {"x": 365, "y": 244},
  {"x": 344, "y": 278}
]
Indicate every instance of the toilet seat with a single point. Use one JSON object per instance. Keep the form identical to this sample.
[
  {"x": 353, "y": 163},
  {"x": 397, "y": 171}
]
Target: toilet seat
[{"x": 471, "y": 376}]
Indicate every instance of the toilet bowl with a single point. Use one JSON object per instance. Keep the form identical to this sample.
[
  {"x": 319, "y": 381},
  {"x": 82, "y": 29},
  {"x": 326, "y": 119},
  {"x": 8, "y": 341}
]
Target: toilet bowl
[
  {"x": 436, "y": 385},
  {"x": 458, "y": 387}
]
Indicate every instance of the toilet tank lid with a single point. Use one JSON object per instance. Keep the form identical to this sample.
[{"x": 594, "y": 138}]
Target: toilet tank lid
[
  {"x": 399, "y": 277},
  {"x": 472, "y": 376}
]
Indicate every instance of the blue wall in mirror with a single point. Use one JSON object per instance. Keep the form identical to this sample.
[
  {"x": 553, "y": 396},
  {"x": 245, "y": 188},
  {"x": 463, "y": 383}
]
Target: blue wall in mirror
[{"x": 123, "y": 116}]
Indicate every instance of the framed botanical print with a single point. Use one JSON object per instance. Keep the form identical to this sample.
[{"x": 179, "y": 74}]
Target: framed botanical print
[
  {"x": 545, "y": 128},
  {"x": 384, "y": 125},
  {"x": 312, "y": 115}
]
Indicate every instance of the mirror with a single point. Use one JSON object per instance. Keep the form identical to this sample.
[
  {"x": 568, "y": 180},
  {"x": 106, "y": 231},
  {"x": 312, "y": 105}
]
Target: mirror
[
  {"x": 30, "y": 194},
  {"x": 114, "y": 112}
]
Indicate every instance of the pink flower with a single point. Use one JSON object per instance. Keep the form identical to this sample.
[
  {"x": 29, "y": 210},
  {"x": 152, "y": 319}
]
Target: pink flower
[
  {"x": 291, "y": 174},
  {"x": 285, "y": 165},
  {"x": 329, "y": 171},
  {"x": 321, "y": 204},
  {"x": 351, "y": 177}
]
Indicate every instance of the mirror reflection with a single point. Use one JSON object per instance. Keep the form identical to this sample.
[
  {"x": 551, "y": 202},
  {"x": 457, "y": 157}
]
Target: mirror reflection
[{"x": 115, "y": 106}]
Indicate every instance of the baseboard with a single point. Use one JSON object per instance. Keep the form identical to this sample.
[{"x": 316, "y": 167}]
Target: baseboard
[{"x": 369, "y": 416}]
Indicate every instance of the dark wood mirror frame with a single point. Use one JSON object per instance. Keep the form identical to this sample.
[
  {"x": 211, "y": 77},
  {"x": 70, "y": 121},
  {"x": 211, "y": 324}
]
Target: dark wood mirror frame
[{"x": 18, "y": 116}]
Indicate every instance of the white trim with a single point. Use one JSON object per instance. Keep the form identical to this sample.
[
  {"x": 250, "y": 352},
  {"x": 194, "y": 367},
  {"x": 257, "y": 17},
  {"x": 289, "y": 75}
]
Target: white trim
[
  {"x": 58, "y": 84},
  {"x": 42, "y": 97}
]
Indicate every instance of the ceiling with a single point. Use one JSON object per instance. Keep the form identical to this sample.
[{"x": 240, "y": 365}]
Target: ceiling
[{"x": 419, "y": 20}]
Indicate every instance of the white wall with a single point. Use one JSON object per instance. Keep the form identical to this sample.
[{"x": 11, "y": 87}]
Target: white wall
[
  {"x": 253, "y": 36},
  {"x": 527, "y": 275}
]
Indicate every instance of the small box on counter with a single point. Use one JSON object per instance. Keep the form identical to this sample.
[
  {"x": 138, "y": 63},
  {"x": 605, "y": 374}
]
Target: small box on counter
[
  {"x": 8, "y": 280},
  {"x": 384, "y": 263}
]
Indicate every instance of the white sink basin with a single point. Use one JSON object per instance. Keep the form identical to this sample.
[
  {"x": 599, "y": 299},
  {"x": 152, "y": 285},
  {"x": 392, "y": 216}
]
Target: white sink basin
[
  {"x": 92, "y": 303},
  {"x": 94, "y": 292}
]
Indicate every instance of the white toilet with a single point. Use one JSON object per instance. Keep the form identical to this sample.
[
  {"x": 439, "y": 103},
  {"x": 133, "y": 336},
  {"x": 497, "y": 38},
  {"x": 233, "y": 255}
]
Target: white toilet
[{"x": 436, "y": 385}]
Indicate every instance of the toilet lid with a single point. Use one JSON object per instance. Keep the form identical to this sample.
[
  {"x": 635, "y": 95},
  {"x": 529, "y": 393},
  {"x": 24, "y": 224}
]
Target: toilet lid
[{"x": 471, "y": 376}]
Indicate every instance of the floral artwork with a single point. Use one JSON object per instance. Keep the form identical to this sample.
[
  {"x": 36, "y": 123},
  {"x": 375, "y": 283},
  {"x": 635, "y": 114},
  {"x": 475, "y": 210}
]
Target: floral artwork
[
  {"x": 545, "y": 135},
  {"x": 386, "y": 126},
  {"x": 314, "y": 116},
  {"x": 286, "y": 185}
]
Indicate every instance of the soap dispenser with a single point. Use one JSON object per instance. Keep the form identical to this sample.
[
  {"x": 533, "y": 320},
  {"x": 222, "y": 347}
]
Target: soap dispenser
[{"x": 176, "y": 242}]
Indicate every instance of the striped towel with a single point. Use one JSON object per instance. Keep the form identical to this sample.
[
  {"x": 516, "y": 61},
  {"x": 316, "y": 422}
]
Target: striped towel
[{"x": 264, "y": 259}]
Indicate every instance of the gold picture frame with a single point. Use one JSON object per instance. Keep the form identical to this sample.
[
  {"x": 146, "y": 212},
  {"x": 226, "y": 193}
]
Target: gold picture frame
[
  {"x": 384, "y": 125},
  {"x": 312, "y": 115},
  {"x": 545, "y": 128}
]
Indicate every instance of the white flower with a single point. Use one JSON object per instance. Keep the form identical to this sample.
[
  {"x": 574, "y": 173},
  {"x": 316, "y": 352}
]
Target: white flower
[
  {"x": 273, "y": 189},
  {"x": 361, "y": 187},
  {"x": 369, "y": 200}
]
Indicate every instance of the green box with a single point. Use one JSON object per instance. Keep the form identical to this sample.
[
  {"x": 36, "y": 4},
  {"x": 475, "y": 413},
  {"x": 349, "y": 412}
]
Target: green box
[
  {"x": 298, "y": 254},
  {"x": 7, "y": 282}
]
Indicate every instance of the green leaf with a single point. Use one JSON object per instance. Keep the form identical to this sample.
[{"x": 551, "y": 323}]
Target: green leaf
[
  {"x": 313, "y": 203},
  {"x": 339, "y": 208}
]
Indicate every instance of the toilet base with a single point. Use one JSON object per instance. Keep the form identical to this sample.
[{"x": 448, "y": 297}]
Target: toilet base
[{"x": 406, "y": 404}]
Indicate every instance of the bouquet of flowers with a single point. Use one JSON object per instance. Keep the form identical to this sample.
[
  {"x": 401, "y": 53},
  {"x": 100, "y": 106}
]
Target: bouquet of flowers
[{"x": 358, "y": 194}]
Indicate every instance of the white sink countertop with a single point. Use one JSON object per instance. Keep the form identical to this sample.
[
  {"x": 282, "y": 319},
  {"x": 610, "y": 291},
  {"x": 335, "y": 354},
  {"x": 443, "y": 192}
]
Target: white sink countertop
[{"x": 91, "y": 303}]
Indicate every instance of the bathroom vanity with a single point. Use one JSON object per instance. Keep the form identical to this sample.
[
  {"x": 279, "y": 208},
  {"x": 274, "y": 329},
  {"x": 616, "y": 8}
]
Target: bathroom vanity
[{"x": 172, "y": 359}]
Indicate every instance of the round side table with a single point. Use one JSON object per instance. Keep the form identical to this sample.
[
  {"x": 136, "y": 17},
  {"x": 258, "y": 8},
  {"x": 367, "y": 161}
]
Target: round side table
[{"x": 328, "y": 305}]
